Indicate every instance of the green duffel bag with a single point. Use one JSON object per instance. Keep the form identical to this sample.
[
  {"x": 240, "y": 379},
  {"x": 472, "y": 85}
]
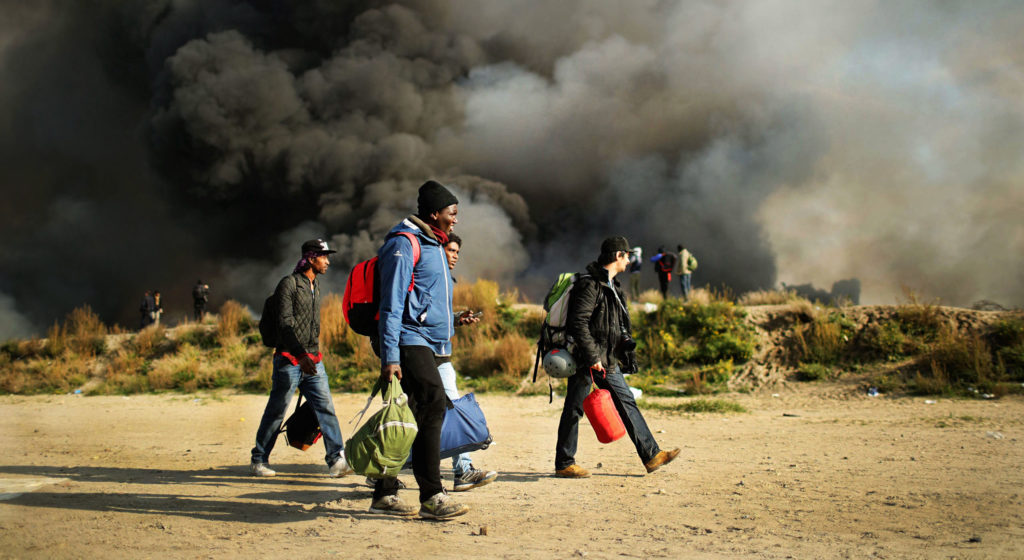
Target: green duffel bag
[{"x": 381, "y": 446}]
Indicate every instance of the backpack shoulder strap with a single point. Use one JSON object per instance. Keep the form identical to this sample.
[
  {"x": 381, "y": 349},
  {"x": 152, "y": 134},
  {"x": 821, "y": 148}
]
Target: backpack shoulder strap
[
  {"x": 415, "y": 254},
  {"x": 415, "y": 246}
]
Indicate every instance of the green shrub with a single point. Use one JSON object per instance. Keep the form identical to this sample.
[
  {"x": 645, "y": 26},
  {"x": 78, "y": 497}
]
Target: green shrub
[
  {"x": 1012, "y": 359},
  {"x": 962, "y": 361},
  {"x": 921, "y": 321},
  {"x": 703, "y": 333},
  {"x": 198, "y": 335},
  {"x": 884, "y": 340},
  {"x": 813, "y": 372}
]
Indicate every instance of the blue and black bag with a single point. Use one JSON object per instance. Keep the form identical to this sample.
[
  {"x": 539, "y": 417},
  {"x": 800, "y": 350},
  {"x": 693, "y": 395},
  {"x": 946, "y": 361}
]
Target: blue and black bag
[{"x": 464, "y": 428}]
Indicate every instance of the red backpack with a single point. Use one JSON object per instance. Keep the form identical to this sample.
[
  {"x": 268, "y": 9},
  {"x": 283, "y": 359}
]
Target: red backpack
[{"x": 361, "y": 302}]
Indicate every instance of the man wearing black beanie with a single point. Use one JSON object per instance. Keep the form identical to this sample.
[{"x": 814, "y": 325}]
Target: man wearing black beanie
[{"x": 415, "y": 328}]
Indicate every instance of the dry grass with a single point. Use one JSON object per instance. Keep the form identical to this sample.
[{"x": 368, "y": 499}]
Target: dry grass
[
  {"x": 820, "y": 341},
  {"x": 769, "y": 297},
  {"x": 40, "y": 375},
  {"x": 152, "y": 342},
  {"x": 337, "y": 338},
  {"x": 233, "y": 320},
  {"x": 650, "y": 296},
  {"x": 478, "y": 355},
  {"x": 482, "y": 295}
]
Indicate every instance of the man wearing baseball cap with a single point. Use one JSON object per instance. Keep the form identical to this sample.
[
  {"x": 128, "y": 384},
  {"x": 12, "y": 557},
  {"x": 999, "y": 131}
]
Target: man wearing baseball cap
[
  {"x": 298, "y": 362},
  {"x": 598, "y": 321}
]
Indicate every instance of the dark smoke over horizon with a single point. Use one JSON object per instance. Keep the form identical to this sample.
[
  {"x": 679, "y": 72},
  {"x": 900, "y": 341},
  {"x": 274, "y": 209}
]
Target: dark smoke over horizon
[{"x": 145, "y": 144}]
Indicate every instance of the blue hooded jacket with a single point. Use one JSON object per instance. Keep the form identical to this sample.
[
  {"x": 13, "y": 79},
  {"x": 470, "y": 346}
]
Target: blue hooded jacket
[{"x": 422, "y": 317}]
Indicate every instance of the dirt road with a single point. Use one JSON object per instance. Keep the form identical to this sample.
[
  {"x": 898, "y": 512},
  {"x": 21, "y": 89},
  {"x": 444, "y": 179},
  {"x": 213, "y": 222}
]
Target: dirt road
[{"x": 815, "y": 472}]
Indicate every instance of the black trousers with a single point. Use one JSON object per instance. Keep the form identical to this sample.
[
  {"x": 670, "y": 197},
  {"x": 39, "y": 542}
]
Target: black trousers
[
  {"x": 577, "y": 388},
  {"x": 422, "y": 383},
  {"x": 663, "y": 283}
]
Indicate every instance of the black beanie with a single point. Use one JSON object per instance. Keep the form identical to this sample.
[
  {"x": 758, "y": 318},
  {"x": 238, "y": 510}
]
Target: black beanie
[{"x": 433, "y": 197}]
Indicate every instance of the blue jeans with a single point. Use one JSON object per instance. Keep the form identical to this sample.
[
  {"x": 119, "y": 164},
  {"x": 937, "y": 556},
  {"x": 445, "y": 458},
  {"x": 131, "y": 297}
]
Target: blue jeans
[
  {"x": 460, "y": 463},
  {"x": 577, "y": 389},
  {"x": 316, "y": 390},
  {"x": 684, "y": 283}
]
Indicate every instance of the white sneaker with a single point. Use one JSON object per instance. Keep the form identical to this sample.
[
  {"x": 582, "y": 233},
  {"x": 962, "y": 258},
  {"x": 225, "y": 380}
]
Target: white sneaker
[
  {"x": 261, "y": 469},
  {"x": 339, "y": 468}
]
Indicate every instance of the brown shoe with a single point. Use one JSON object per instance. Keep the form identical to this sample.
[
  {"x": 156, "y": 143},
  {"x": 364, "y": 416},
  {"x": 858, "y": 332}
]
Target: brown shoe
[
  {"x": 573, "y": 471},
  {"x": 662, "y": 458}
]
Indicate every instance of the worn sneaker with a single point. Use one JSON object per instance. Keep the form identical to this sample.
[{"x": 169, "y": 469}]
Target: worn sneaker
[
  {"x": 372, "y": 483},
  {"x": 662, "y": 458},
  {"x": 440, "y": 506},
  {"x": 473, "y": 478},
  {"x": 261, "y": 469},
  {"x": 393, "y": 505},
  {"x": 573, "y": 471},
  {"x": 339, "y": 468}
]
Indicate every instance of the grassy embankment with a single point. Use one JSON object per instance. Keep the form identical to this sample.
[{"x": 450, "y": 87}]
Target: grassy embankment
[{"x": 685, "y": 348}]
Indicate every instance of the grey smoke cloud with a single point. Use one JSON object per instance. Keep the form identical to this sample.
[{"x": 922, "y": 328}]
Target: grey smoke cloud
[{"x": 779, "y": 141}]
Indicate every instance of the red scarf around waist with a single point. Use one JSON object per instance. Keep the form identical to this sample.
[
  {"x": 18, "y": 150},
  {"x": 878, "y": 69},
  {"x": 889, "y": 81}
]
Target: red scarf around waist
[{"x": 317, "y": 358}]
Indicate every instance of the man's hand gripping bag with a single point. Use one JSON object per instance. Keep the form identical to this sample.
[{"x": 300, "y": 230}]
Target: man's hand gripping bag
[
  {"x": 601, "y": 413},
  {"x": 380, "y": 447}
]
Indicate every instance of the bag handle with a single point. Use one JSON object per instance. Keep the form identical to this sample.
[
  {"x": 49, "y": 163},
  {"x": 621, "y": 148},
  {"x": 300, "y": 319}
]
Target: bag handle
[
  {"x": 284, "y": 425},
  {"x": 394, "y": 391}
]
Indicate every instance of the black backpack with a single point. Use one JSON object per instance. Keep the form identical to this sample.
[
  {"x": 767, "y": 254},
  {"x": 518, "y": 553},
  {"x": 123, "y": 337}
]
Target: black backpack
[{"x": 268, "y": 320}]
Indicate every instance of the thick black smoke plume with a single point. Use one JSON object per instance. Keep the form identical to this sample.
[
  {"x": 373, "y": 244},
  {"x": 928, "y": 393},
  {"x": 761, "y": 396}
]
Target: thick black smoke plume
[{"x": 149, "y": 143}]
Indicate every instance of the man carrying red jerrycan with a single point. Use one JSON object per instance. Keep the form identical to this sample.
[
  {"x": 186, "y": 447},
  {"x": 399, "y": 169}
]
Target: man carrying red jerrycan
[{"x": 598, "y": 322}]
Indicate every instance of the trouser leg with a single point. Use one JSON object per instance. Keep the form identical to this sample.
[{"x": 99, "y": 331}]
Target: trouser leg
[
  {"x": 317, "y": 391},
  {"x": 625, "y": 404},
  {"x": 577, "y": 388},
  {"x": 283, "y": 382},
  {"x": 422, "y": 383}
]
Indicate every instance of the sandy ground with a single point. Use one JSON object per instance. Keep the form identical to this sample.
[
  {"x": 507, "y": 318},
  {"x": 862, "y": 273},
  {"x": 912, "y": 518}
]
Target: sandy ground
[{"x": 815, "y": 472}]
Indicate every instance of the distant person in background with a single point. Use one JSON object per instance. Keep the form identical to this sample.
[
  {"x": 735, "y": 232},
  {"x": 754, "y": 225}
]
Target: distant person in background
[
  {"x": 146, "y": 310},
  {"x": 200, "y": 296},
  {"x": 687, "y": 264},
  {"x": 636, "y": 261},
  {"x": 664, "y": 262},
  {"x": 466, "y": 477},
  {"x": 158, "y": 309}
]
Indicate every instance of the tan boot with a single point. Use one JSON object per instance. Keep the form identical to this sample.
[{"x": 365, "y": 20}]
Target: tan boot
[
  {"x": 662, "y": 458},
  {"x": 573, "y": 471}
]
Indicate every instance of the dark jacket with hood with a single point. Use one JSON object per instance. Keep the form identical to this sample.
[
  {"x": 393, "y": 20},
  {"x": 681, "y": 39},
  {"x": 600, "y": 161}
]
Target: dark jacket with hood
[{"x": 596, "y": 318}]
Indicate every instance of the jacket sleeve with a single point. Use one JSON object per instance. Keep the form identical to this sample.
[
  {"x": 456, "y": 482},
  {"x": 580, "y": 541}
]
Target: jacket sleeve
[
  {"x": 582, "y": 302},
  {"x": 287, "y": 340},
  {"x": 394, "y": 268}
]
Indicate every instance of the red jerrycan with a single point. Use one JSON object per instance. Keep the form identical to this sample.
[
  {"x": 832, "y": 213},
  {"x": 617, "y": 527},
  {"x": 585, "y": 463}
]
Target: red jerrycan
[{"x": 601, "y": 413}]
